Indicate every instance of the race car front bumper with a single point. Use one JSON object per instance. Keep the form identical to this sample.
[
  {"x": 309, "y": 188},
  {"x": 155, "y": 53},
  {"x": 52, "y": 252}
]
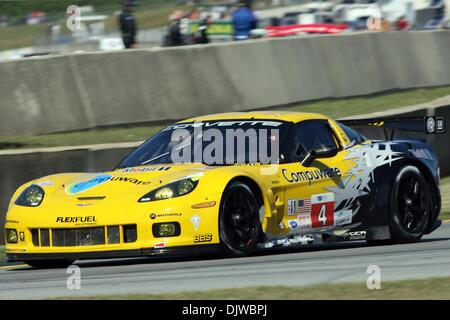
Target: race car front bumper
[{"x": 145, "y": 252}]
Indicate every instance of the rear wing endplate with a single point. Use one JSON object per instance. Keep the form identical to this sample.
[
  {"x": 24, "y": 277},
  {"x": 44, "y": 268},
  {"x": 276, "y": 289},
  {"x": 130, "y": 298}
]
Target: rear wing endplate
[{"x": 426, "y": 125}]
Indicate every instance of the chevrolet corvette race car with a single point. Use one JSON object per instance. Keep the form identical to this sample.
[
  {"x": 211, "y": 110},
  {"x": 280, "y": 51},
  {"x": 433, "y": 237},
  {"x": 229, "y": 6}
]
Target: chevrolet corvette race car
[{"x": 234, "y": 182}]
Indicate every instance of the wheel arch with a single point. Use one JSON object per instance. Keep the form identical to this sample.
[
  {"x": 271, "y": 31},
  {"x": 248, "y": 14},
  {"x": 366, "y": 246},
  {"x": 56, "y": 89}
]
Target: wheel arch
[
  {"x": 253, "y": 185},
  {"x": 435, "y": 192}
]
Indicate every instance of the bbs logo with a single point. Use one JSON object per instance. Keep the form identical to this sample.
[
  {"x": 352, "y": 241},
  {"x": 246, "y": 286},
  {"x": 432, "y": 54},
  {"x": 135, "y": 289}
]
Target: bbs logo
[{"x": 202, "y": 238}]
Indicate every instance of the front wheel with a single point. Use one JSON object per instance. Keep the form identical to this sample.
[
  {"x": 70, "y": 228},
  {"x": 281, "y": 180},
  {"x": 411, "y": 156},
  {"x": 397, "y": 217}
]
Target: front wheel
[
  {"x": 410, "y": 205},
  {"x": 239, "y": 225},
  {"x": 49, "y": 264}
]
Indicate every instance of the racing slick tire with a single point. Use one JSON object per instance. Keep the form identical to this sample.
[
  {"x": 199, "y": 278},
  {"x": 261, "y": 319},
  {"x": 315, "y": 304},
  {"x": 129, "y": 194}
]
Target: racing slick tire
[
  {"x": 410, "y": 205},
  {"x": 239, "y": 224},
  {"x": 49, "y": 264}
]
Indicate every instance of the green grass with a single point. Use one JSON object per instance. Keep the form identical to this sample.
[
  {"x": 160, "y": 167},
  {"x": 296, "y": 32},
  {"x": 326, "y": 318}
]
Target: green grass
[
  {"x": 445, "y": 193},
  {"x": 433, "y": 288},
  {"x": 97, "y": 136},
  {"x": 21, "y": 36},
  {"x": 2, "y": 253},
  {"x": 337, "y": 108},
  {"x": 334, "y": 108}
]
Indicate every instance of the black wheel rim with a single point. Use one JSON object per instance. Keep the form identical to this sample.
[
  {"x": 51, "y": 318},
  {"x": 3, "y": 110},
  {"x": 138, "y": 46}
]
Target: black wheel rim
[
  {"x": 240, "y": 219},
  {"x": 412, "y": 203}
]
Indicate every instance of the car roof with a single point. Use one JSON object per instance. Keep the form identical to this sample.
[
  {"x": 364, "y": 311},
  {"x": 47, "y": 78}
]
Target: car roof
[{"x": 263, "y": 115}]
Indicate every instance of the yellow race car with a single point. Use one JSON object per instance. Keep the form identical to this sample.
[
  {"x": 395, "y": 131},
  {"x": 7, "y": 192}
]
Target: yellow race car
[{"x": 233, "y": 182}]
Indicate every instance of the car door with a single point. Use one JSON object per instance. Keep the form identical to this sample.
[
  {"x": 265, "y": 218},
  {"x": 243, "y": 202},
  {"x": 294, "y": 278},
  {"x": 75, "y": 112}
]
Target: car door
[{"x": 310, "y": 189}]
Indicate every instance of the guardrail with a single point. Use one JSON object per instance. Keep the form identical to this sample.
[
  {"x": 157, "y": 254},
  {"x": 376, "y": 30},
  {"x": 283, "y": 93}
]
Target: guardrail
[{"x": 81, "y": 91}]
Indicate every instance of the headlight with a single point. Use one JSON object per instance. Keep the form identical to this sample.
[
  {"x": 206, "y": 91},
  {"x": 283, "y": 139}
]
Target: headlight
[
  {"x": 31, "y": 196},
  {"x": 11, "y": 236},
  {"x": 164, "y": 193},
  {"x": 166, "y": 229},
  {"x": 172, "y": 190},
  {"x": 185, "y": 186}
]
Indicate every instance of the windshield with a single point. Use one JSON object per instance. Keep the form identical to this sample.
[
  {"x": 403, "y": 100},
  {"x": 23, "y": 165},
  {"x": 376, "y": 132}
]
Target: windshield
[{"x": 222, "y": 142}]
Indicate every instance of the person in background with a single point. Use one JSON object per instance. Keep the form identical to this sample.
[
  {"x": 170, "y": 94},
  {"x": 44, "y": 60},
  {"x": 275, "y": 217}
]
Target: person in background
[
  {"x": 128, "y": 26},
  {"x": 201, "y": 34},
  {"x": 385, "y": 25},
  {"x": 174, "y": 36},
  {"x": 402, "y": 23},
  {"x": 243, "y": 20},
  {"x": 195, "y": 14}
]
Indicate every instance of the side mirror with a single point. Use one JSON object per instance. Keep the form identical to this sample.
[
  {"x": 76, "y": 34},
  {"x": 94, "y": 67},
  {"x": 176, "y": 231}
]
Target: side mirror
[{"x": 317, "y": 154}]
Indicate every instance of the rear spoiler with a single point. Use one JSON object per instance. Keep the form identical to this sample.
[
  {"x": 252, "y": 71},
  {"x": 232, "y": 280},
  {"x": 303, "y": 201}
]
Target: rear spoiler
[{"x": 427, "y": 125}]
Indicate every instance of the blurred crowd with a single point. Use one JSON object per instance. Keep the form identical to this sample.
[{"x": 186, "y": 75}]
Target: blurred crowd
[
  {"x": 236, "y": 20},
  {"x": 243, "y": 21},
  {"x": 200, "y": 25}
]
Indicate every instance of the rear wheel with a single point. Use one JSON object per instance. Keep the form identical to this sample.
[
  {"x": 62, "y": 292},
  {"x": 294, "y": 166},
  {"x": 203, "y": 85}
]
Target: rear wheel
[
  {"x": 239, "y": 224},
  {"x": 410, "y": 205},
  {"x": 49, "y": 264}
]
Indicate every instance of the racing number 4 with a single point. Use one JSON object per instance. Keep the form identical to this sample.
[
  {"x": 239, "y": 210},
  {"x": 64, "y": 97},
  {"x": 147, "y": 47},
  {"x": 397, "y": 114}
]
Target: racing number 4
[
  {"x": 323, "y": 215},
  {"x": 322, "y": 210}
]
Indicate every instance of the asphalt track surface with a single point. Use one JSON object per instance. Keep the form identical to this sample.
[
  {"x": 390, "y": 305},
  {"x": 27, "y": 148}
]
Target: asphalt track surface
[{"x": 316, "y": 264}]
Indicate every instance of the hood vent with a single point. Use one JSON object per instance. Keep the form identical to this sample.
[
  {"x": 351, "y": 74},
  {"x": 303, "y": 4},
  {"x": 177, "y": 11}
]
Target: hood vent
[{"x": 90, "y": 198}]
